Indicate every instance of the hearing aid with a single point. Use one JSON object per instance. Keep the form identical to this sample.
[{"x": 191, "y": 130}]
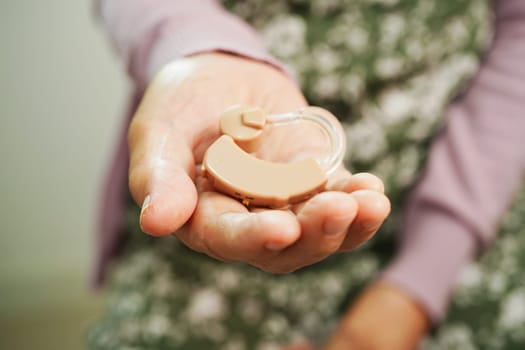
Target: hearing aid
[{"x": 232, "y": 170}]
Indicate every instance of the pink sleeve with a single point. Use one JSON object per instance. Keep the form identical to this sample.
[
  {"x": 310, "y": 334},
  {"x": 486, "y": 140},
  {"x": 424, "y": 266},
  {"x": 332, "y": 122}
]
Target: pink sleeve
[
  {"x": 475, "y": 167},
  {"x": 150, "y": 33}
]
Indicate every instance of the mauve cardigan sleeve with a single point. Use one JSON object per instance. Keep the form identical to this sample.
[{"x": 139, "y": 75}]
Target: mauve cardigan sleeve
[
  {"x": 475, "y": 166},
  {"x": 149, "y": 33}
]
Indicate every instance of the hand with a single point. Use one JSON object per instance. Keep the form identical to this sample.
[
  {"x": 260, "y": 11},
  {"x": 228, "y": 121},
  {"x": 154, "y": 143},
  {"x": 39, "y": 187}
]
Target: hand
[
  {"x": 174, "y": 125},
  {"x": 383, "y": 318}
]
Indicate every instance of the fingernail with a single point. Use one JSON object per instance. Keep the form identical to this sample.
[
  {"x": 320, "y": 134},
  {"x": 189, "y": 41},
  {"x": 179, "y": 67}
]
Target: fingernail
[{"x": 145, "y": 206}]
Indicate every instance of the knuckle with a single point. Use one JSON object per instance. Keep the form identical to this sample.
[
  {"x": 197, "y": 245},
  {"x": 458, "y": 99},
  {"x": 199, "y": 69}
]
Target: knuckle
[
  {"x": 326, "y": 248},
  {"x": 138, "y": 127},
  {"x": 137, "y": 179}
]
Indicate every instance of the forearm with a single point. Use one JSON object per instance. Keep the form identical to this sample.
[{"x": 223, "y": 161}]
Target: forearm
[
  {"x": 149, "y": 33},
  {"x": 381, "y": 318},
  {"x": 475, "y": 166}
]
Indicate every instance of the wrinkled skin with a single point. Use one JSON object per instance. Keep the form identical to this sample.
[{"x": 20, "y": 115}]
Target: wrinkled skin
[{"x": 175, "y": 123}]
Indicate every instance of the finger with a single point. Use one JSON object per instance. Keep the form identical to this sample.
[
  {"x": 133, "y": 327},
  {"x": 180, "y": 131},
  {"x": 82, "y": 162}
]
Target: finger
[
  {"x": 374, "y": 207},
  {"x": 160, "y": 175},
  {"x": 324, "y": 220},
  {"x": 223, "y": 228},
  {"x": 346, "y": 182}
]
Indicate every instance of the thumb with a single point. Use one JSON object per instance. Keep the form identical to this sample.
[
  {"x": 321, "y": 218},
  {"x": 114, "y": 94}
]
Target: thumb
[{"x": 160, "y": 174}]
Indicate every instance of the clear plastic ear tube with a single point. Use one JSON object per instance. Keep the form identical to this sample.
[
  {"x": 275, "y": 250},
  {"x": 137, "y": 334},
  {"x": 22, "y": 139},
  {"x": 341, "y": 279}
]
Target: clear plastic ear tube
[
  {"x": 231, "y": 168},
  {"x": 328, "y": 125}
]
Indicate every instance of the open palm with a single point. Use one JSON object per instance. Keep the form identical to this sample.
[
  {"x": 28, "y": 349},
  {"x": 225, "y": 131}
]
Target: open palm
[{"x": 175, "y": 124}]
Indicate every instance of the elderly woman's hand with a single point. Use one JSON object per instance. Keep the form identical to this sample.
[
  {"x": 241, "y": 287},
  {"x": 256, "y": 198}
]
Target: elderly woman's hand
[{"x": 174, "y": 125}]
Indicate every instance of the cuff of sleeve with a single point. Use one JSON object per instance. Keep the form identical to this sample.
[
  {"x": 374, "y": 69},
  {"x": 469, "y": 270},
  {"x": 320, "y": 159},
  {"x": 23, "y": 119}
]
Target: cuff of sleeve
[
  {"x": 428, "y": 264},
  {"x": 197, "y": 33}
]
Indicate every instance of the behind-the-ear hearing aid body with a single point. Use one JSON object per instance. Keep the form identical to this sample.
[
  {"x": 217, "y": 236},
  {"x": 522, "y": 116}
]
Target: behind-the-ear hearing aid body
[{"x": 258, "y": 182}]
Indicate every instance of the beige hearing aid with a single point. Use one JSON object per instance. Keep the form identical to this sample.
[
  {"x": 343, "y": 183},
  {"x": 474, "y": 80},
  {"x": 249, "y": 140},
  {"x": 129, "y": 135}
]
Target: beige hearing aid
[{"x": 233, "y": 171}]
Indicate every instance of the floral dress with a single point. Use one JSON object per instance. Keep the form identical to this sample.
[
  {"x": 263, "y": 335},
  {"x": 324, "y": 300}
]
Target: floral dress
[{"x": 387, "y": 69}]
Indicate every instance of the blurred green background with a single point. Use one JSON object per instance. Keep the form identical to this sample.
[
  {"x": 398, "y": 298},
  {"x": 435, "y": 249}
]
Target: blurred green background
[{"x": 61, "y": 93}]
